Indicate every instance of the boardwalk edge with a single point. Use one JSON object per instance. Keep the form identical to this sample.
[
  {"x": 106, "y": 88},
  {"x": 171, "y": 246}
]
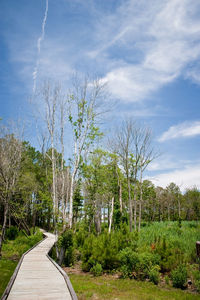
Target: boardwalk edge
[
  {"x": 12, "y": 279},
  {"x": 64, "y": 274}
]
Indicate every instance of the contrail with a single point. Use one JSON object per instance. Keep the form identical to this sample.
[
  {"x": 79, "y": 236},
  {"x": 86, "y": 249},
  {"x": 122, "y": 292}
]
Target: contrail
[{"x": 40, "y": 39}]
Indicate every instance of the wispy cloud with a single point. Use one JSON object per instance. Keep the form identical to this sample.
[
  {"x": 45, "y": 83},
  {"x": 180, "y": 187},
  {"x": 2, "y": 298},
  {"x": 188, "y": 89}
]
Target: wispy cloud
[
  {"x": 165, "y": 34},
  {"x": 40, "y": 39},
  {"x": 138, "y": 47},
  {"x": 186, "y": 129},
  {"x": 185, "y": 178}
]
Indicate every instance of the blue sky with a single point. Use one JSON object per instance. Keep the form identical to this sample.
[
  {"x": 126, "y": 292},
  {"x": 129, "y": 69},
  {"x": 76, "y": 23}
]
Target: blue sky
[{"x": 147, "y": 51}]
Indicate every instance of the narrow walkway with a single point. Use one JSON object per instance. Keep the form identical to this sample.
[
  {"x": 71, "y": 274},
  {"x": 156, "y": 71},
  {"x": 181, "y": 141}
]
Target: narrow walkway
[{"x": 38, "y": 278}]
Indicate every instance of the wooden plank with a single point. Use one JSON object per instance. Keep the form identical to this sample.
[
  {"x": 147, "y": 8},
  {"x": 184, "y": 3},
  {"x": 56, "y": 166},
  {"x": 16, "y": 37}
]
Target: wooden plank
[{"x": 39, "y": 278}]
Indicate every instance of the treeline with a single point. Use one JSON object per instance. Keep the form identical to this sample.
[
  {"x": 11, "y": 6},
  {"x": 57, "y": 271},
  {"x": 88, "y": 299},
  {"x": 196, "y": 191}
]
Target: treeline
[
  {"x": 100, "y": 192},
  {"x": 101, "y": 187}
]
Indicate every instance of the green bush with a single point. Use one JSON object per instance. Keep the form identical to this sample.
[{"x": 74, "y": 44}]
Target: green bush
[
  {"x": 69, "y": 257},
  {"x": 179, "y": 277},
  {"x": 154, "y": 274},
  {"x": 139, "y": 265},
  {"x": 12, "y": 233},
  {"x": 196, "y": 275},
  {"x": 21, "y": 244},
  {"x": 66, "y": 239},
  {"x": 97, "y": 270},
  {"x": 129, "y": 261},
  {"x": 170, "y": 254},
  {"x": 197, "y": 285},
  {"x": 167, "y": 279},
  {"x": 146, "y": 262},
  {"x": 102, "y": 249},
  {"x": 125, "y": 272}
]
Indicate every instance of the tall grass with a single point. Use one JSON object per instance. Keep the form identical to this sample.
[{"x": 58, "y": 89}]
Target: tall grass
[{"x": 182, "y": 236}]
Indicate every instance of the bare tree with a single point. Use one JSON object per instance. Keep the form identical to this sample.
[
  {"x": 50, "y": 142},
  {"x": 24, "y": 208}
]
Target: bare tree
[
  {"x": 84, "y": 103},
  {"x": 122, "y": 145},
  {"x": 65, "y": 181},
  {"x": 51, "y": 96},
  {"x": 133, "y": 145},
  {"x": 111, "y": 215},
  {"x": 144, "y": 154}
]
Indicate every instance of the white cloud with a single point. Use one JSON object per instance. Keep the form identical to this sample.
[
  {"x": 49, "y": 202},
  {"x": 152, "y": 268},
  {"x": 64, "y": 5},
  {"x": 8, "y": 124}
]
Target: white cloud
[
  {"x": 164, "y": 163},
  {"x": 185, "y": 178},
  {"x": 165, "y": 33},
  {"x": 186, "y": 129},
  {"x": 138, "y": 47}
]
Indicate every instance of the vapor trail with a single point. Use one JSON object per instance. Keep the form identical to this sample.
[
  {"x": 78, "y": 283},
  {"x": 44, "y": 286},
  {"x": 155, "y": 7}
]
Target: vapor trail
[{"x": 40, "y": 39}]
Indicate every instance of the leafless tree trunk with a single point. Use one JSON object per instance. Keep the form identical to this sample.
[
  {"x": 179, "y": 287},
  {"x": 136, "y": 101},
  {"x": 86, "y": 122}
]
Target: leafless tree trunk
[
  {"x": 144, "y": 154},
  {"x": 122, "y": 145},
  {"x": 140, "y": 202},
  {"x": 63, "y": 112},
  {"x": 120, "y": 197},
  {"x": 51, "y": 97},
  {"x": 111, "y": 215},
  {"x": 83, "y": 113}
]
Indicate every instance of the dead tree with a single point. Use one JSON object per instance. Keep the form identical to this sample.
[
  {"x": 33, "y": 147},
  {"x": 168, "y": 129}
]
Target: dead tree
[{"x": 84, "y": 110}]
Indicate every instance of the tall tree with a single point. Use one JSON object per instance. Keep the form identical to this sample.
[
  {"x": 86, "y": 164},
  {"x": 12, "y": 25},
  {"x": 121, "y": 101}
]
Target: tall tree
[
  {"x": 84, "y": 109},
  {"x": 51, "y": 95},
  {"x": 144, "y": 154},
  {"x": 10, "y": 162}
]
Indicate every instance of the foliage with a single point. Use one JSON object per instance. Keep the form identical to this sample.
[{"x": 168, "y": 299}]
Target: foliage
[
  {"x": 12, "y": 232},
  {"x": 154, "y": 274},
  {"x": 66, "y": 239},
  {"x": 196, "y": 276},
  {"x": 20, "y": 245},
  {"x": 179, "y": 276},
  {"x": 66, "y": 245},
  {"x": 69, "y": 256},
  {"x": 129, "y": 262},
  {"x": 104, "y": 249},
  {"x": 97, "y": 270}
]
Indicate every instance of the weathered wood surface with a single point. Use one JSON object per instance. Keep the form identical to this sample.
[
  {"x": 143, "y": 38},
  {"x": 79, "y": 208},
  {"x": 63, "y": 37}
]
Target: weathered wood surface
[{"x": 38, "y": 278}]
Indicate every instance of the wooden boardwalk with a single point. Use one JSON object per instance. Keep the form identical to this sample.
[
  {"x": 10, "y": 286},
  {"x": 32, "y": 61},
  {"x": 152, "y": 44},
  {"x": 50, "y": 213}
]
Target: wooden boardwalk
[{"x": 38, "y": 278}]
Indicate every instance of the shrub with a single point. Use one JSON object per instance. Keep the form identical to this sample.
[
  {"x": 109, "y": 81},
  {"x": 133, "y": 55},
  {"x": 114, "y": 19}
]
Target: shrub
[
  {"x": 129, "y": 261},
  {"x": 197, "y": 285},
  {"x": 66, "y": 239},
  {"x": 69, "y": 257},
  {"x": 65, "y": 246},
  {"x": 154, "y": 274},
  {"x": 146, "y": 262},
  {"x": 167, "y": 279},
  {"x": 125, "y": 272},
  {"x": 102, "y": 249},
  {"x": 169, "y": 254},
  {"x": 12, "y": 233},
  {"x": 179, "y": 277},
  {"x": 97, "y": 270},
  {"x": 196, "y": 275}
]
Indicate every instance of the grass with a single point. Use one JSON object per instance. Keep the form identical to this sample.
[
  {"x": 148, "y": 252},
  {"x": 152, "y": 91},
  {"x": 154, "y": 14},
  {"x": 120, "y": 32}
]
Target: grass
[
  {"x": 13, "y": 250},
  {"x": 7, "y": 268},
  {"x": 184, "y": 237},
  {"x": 11, "y": 253},
  {"x": 106, "y": 287}
]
